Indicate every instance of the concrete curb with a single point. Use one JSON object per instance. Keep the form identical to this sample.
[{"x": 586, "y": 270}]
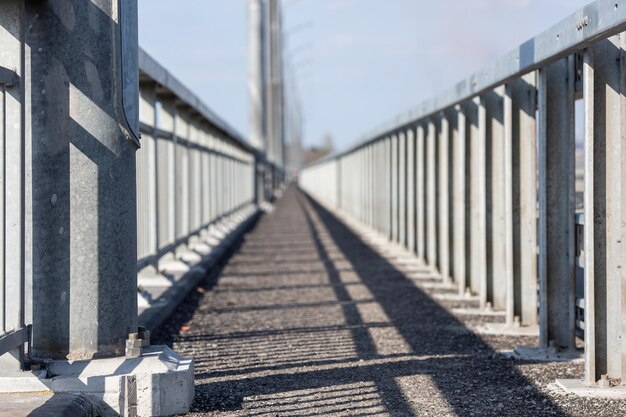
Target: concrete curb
[{"x": 153, "y": 317}]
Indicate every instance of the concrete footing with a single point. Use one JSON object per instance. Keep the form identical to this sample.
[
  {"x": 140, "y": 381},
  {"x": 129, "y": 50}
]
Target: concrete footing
[
  {"x": 455, "y": 297},
  {"x": 158, "y": 383},
  {"x": 504, "y": 329},
  {"x": 544, "y": 355},
  {"x": 578, "y": 387},
  {"x": 477, "y": 312}
]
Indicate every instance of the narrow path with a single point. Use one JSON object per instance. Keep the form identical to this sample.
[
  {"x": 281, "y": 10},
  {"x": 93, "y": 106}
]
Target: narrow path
[{"x": 307, "y": 319}]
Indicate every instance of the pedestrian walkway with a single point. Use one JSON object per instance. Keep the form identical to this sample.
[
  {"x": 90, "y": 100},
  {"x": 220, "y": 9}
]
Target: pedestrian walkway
[{"x": 309, "y": 319}]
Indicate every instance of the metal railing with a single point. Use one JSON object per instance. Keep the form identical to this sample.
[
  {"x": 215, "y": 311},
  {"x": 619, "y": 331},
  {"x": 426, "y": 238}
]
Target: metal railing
[
  {"x": 480, "y": 183},
  {"x": 192, "y": 171}
]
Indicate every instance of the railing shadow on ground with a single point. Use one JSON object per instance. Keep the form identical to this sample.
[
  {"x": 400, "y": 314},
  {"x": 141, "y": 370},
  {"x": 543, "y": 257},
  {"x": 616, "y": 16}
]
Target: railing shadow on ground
[
  {"x": 467, "y": 373},
  {"x": 166, "y": 333}
]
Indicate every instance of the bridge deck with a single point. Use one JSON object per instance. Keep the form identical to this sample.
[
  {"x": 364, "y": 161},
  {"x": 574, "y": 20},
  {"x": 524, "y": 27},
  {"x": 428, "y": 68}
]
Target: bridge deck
[{"x": 307, "y": 319}]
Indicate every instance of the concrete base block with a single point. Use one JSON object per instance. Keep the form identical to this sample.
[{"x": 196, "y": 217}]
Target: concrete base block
[
  {"x": 503, "y": 329},
  {"x": 578, "y": 387},
  {"x": 189, "y": 257},
  {"x": 544, "y": 355},
  {"x": 439, "y": 286},
  {"x": 455, "y": 297},
  {"x": 477, "y": 312},
  {"x": 175, "y": 267},
  {"x": 422, "y": 275},
  {"x": 202, "y": 248},
  {"x": 159, "y": 383}
]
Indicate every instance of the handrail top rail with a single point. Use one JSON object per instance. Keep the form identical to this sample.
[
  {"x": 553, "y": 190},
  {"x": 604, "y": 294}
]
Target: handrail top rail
[
  {"x": 597, "y": 20},
  {"x": 160, "y": 75}
]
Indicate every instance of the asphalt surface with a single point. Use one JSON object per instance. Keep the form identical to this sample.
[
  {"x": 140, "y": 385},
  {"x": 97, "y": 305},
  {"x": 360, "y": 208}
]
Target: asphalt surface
[{"x": 309, "y": 318}]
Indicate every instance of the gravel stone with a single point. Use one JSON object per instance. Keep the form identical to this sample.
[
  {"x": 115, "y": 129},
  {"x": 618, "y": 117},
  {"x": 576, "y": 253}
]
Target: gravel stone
[{"x": 309, "y": 318}]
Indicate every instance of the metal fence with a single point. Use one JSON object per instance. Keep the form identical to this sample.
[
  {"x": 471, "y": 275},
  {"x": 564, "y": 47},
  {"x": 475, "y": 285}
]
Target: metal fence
[
  {"x": 480, "y": 183},
  {"x": 192, "y": 171}
]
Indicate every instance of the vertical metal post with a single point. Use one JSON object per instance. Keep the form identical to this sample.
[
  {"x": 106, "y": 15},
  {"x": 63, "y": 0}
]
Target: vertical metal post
[
  {"x": 431, "y": 195},
  {"x": 443, "y": 195},
  {"x": 556, "y": 204},
  {"x": 182, "y": 173},
  {"x": 522, "y": 285},
  {"x": 82, "y": 178},
  {"x": 509, "y": 289},
  {"x": 402, "y": 189},
  {"x": 410, "y": 189},
  {"x": 394, "y": 188},
  {"x": 605, "y": 209},
  {"x": 147, "y": 209},
  {"x": 420, "y": 193},
  {"x": 591, "y": 374},
  {"x": 478, "y": 221},
  {"x": 458, "y": 200},
  {"x": 496, "y": 198},
  {"x": 388, "y": 188}
]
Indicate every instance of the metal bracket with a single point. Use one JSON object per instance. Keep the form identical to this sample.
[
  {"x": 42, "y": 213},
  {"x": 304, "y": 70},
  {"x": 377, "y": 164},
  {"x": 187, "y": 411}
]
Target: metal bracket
[{"x": 14, "y": 339}]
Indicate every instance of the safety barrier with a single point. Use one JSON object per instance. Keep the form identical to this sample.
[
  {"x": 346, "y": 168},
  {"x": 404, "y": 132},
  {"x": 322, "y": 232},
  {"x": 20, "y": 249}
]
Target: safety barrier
[
  {"x": 197, "y": 182},
  {"x": 192, "y": 170},
  {"x": 480, "y": 183}
]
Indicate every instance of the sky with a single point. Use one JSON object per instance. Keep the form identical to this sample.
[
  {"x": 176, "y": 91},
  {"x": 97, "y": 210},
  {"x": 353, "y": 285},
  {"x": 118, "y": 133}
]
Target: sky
[{"x": 358, "y": 63}]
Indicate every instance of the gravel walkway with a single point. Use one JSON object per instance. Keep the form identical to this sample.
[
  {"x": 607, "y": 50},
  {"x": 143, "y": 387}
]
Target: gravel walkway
[{"x": 307, "y": 319}]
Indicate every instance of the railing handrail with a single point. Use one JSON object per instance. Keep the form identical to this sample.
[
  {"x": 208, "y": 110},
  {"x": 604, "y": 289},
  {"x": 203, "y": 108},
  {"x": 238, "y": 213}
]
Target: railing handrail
[{"x": 600, "y": 19}]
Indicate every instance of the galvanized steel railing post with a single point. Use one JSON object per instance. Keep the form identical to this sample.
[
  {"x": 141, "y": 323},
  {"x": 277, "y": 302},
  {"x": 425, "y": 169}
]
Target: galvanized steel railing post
[
  {"x": 410, "y": 186},
  {"x": 524, "y": 283},
  {"x": 431, "y": 195},
  {"x": 81, "y": 228},
  {"x": 420, "y": 193},
  {"x": 402, "y": 188},
  {"x": 605, "y": 209},
  {"x": 167, "y": 171},
  {"x": 475, "y": 113},
  {"x": 394, "y": 189},
  {"x": 443, "y": 196},
  {"x": 496, "y": 189},
  {"x": 459, "y": 223},
  {"x": 556, "y": 204}
]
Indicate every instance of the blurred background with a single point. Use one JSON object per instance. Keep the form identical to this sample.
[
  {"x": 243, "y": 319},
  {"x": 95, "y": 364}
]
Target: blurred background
[{"x": 350, "y": 65}]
